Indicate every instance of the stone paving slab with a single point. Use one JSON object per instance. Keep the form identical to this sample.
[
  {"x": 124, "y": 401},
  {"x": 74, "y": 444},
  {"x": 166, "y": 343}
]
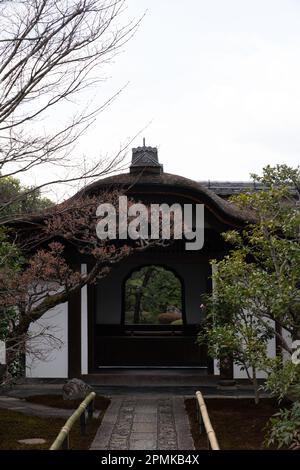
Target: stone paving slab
[{"x": 144, "y": 423}]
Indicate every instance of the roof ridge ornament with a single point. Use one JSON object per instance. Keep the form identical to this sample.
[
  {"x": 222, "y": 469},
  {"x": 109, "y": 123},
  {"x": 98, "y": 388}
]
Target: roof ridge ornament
[{"x": 145, "y": 159}]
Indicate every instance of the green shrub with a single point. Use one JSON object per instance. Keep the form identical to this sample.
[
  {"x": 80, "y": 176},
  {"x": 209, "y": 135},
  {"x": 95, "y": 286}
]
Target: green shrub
[
  {"x": 284, "y": 428},
  {"x": 177, "y": 322}
]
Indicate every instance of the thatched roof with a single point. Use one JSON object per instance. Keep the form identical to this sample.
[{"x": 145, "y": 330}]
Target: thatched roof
[{"x": 166, "y": 183}]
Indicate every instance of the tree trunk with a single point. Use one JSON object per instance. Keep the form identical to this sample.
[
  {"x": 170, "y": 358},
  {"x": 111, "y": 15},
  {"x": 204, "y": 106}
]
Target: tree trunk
[
  {"x": 139, "y": 295},
  {"x": 137, "y": 305}
]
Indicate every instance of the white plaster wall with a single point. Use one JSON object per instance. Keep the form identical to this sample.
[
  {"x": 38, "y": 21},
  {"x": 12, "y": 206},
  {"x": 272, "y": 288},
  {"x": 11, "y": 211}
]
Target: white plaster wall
[
  {"x": 2, "y": 353},
  {"x": 216, "y": 367},
  {"x": 288, "y": 338},
  {"x": 54, "y": 363}
]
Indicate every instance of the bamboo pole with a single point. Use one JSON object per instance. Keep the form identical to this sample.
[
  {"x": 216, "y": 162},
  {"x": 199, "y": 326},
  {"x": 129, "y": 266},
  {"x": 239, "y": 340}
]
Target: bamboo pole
[
  {"x": 208, "y": 427},
  {"x": 65, "y": 430}
]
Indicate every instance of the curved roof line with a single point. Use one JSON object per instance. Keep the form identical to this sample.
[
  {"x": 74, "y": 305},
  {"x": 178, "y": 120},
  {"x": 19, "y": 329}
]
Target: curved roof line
[{"x": 163, "y": 183}]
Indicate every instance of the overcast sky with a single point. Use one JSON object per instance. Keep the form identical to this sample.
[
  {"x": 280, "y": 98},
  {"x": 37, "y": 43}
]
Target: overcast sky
[{"x": 218, "y": 81}]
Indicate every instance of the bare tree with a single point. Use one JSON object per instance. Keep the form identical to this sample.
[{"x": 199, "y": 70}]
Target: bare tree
[
  {"x": 48, "y": 276},
  {"x": 50, "y": 51}
]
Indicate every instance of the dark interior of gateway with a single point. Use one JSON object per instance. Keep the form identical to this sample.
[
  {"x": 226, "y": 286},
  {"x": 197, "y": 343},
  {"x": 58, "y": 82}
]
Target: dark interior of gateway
[{"x": 148, "y": 315}]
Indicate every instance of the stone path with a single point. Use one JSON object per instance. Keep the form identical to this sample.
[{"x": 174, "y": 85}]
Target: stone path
[{"x": 142, "y": 423}]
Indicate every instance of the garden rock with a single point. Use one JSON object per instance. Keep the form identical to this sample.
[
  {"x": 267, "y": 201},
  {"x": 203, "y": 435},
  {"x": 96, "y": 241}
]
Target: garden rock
[{"x": 76, "y": 389}]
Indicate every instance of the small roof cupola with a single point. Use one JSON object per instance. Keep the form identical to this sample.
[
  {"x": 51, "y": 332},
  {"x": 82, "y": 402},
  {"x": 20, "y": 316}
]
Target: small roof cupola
[{"x": 145, "y": 160}]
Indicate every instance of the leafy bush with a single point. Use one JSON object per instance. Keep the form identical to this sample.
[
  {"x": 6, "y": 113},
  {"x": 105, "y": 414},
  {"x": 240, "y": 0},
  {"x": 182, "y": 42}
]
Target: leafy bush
[
  {"x": 283, "y": 378},
  {"x": 284, "y": 428},
  {"x": 177, "y": 322}
]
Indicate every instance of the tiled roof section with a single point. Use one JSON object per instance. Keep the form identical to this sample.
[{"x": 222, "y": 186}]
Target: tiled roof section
[{"x": 229, "y": 188}]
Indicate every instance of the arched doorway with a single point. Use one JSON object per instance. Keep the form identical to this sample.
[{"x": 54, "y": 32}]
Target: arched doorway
[{"x": 153, "y": 330}]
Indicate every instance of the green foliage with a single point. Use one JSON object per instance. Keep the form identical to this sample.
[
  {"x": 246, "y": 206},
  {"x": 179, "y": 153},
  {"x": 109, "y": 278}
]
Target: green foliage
[
  {"x": 177, "y": 322},
  {"x": 7, "y": 316},
  {"x": 16, "y": 199},
  {"x": 16, "y": 368},
  {"x": 11, "y": 262},
  {"x": 283, "y": 428},
  {"x": 258, "y": 282},
  {"x": 10, "y": 255},
  {"x": 238, "y": 335},
  {"x": 283, "y": 378}
]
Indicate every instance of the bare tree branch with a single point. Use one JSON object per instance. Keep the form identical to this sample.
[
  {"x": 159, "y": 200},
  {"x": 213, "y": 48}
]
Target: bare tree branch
[{"x": 51, "y": 50}]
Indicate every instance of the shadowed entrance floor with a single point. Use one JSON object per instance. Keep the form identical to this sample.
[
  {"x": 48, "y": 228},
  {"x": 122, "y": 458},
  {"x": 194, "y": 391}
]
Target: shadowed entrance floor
[{"x": 144, "y": 423}]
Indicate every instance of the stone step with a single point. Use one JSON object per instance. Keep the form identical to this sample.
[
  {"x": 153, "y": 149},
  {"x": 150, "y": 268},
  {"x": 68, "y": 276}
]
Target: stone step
[{"x": 148, "y": 377}]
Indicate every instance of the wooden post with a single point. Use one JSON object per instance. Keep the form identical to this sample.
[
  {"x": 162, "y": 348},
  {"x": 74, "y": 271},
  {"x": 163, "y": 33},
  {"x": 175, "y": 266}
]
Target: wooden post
[
  {"x": 82, "y": 421},
  {"x": 66, "y": 443},
  {"x": 91, "y": 408},
  {"x": 74, "y": 335}
]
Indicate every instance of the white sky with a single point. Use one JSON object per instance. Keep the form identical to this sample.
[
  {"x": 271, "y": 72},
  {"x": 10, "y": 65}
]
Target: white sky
[{"x": 219, "y": 80}]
